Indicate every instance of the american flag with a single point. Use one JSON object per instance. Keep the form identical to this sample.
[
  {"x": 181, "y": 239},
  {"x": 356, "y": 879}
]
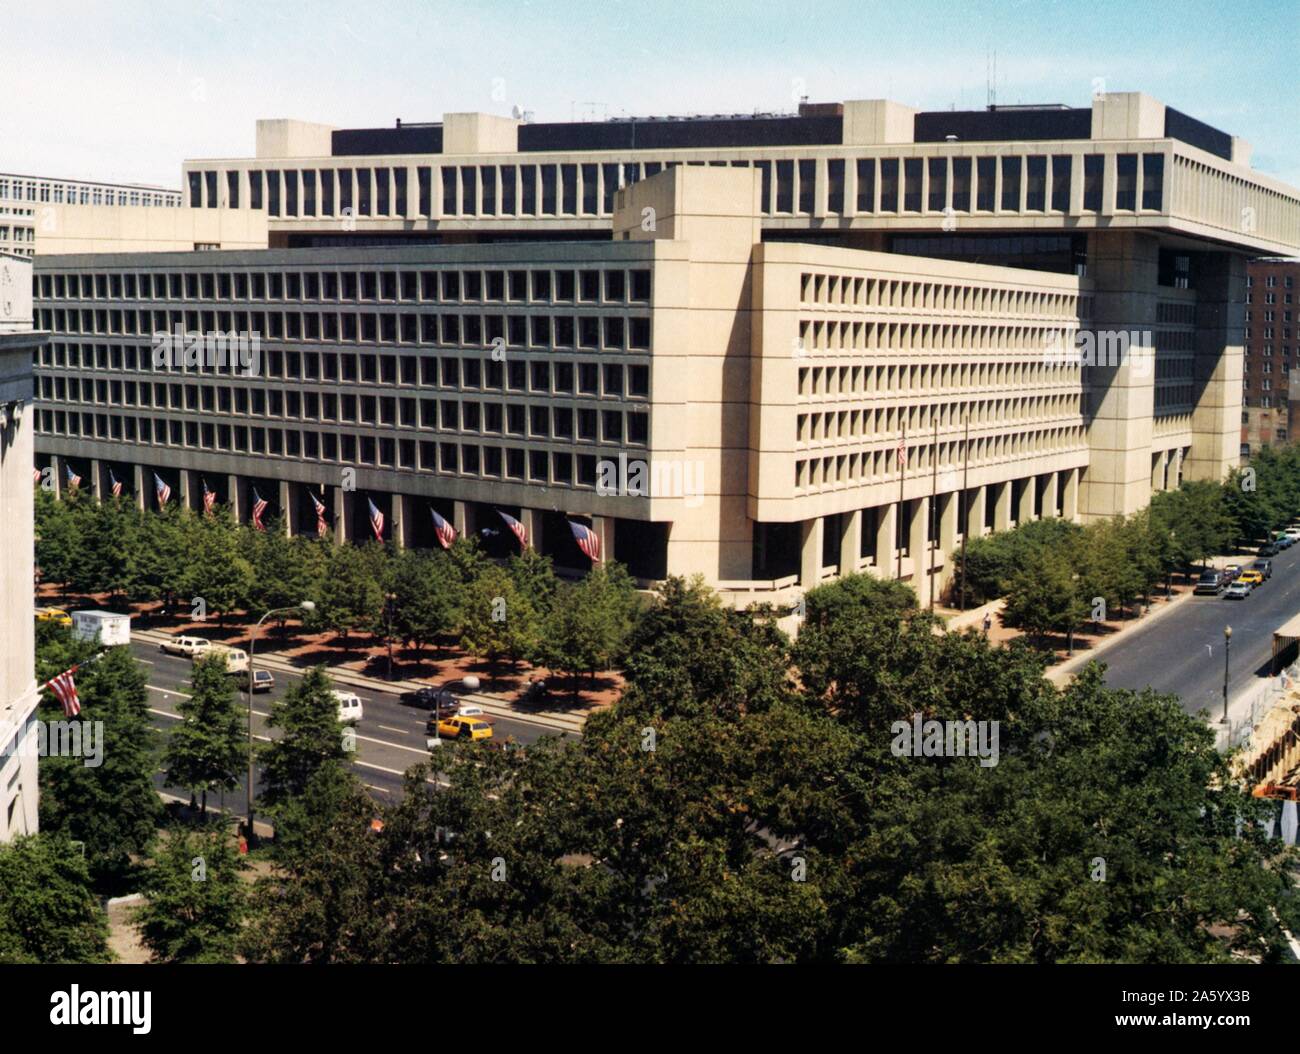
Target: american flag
[
  {"x": 446, "y": 532},
  {"x": 209, "y": 498},
  {"x": 259, "y": 507},
  {"x": 65, "y": 691},
  {"x": 587, "y": 539},
  {"x": 36, "y": 475},
  {"x": 902, "y": 454},
  {"x": 163, "y": 491},
  {"x": 321, "y": 525},
  {"x": 74, "y": 481},
  {"x": 115, "y": 483},
  {"x": 376, "y": 521},
  {"x": 516, "y": 527}
]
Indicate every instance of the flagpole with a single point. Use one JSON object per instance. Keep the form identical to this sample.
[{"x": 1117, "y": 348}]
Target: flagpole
[{"x": 902, "y": 475}]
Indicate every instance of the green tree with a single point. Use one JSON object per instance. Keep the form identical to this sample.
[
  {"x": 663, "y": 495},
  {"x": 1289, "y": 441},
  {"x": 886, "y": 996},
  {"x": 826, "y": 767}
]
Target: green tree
[
  {"x": 216, "y": 571},
  {"x": 206, "y": 752},
  {"x": 351, "y": 595},
  {"x": 589, "y": 621},
  {"x": 58, "y": 540},
  {"x": 105, "y": 798},
  {"x": 195, "y": 900},
  {"x": 48, "y": 912},
  {"x": 424, "y": 586},
  {"x": 1044, "y": 596},
  {"x": 497, "y": 619},
  {"x": 311, "y": 738}
]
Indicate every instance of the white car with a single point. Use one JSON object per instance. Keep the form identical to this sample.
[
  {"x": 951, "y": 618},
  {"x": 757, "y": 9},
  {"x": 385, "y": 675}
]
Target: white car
[
  {"x": 350, "y": 709},
  {"x": 191, "y": 647},
  {"x": 470, "y": 710}
]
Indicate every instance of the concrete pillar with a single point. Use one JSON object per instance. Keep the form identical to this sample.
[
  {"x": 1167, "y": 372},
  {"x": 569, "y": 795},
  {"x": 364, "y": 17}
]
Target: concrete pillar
[
  {"x": 1220, "y": 282},
  {"x": 57, "y": 471},
  {"x": 139, "y": 485},
  {"x": 1051, "y": 491},
  {"x": 464, "y": 519},
  {"x": 1070, "y": 499},
  {"x": 95, "y": 481},
  {"x": 850, "y": 541},
  {"x": 399, "y": 517},
  {"x": 975, "y": 512},
  {"x": 288, "y": 506},
  {"x": 185, "y": 487},
  {"x": 532, "y": 521},
  {"x": 886, "y": 532},
  {"x": 1158, "y": 463},
  {"x": 1001, "y": 505},
  {"x": 342, "y": 524},
  {"x": 1123, "y": 266},
  {"x": 810, "y": 552},
  {"x": 604, "y": 528},
  {"x": 918, "y": 549},
  {"x": 235, "y": 497},
  {"x": 1028, "y": 492},
  {"x": 947, "y": 516}
]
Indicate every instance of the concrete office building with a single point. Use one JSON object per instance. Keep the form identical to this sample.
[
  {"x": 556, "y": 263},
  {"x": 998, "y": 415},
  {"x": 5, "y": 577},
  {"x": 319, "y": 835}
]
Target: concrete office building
[
  {"x": 484, "y": 314},
  {"x": 19, "y": 694},
  {"x": 32, "y": 204},
  {"x": 1271, "y": 413}
]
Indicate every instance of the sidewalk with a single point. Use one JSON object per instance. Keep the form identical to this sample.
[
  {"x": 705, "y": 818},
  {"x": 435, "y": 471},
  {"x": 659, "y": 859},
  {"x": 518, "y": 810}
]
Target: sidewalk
[{"x": 497, "y": 706}]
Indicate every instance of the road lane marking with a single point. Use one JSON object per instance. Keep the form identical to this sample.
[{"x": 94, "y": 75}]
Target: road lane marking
[{"x": 400, "y": 731}]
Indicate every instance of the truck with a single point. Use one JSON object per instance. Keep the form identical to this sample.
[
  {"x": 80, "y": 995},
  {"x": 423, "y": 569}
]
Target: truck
[
  {"x": 106, "y": 628},
  {"x": 236, "y": 658}
]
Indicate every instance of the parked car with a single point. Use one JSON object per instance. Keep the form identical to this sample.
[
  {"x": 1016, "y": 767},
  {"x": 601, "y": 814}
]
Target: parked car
[
  {"x": 1251, "y": 578},
  {"x": 1231, "y": 572},
  {"x": 1264, "y": 567},
  {"x": 1238, "y": 591},
  {"x": 1210, "y": 583},
  {"x": 1284, "y": 541},
  {"x": 1293, "y": 533},
  {"x": 350, "y": 709},
  {"x": 430, "y": 698},
  {"x": 187, "y": 646},
  {"x": 57, "y": 615},
  {"x": 1269, "y": 549},
  {"x": 457, "y": 727},
  {"x": 263, "y": 681}
]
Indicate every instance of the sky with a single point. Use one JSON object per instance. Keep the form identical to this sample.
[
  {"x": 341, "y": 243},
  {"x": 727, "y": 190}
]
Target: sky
[{"x": 128, "y": 90}]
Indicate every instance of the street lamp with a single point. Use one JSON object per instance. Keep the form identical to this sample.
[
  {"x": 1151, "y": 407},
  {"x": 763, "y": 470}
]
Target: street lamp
[
  {"x": 389, "y": 600},
  {"x": 1227, "y": 650},
  {"x": 306, "y": 605},
  {"x": 470, "y": 683}
]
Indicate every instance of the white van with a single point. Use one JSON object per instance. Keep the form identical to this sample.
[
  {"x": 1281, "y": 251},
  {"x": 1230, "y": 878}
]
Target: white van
[
  {"x": 190, "y": 647},
  {"x": 236, "y": 658},
  {"x": 350, "y": 711},
  {"x": 106, "y": 628}
]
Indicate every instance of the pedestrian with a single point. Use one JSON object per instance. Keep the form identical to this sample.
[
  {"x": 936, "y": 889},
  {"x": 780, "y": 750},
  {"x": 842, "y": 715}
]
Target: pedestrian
[{"x": 988, "y": 622}]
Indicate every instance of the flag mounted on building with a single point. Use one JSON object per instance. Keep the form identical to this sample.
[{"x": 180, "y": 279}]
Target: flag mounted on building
[
  {"x": 446, "y": 532},
  {"x": 163, "y": 491},
  {"x": 587, "y": 539},
  {"x": 74, "y": 481},
  {"x": 65, "y": 691},
  {"x": 376, "y": 521},
  {"x": 516, "y": 528},
  {"x": 321, "y": 526},
  {"x": 209, "y": 498},
  {"x": 902, "y": 453},
  {"x": 259, "y": 507},
  {"x": 115, "y": 484},
  {"x": 36, "y": 475}
]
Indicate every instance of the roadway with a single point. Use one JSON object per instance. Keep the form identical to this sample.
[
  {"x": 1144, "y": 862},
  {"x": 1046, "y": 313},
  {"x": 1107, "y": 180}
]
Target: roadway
[
  {"x": 389, "y": 738},
  {"x": 1183, "y": 651}
]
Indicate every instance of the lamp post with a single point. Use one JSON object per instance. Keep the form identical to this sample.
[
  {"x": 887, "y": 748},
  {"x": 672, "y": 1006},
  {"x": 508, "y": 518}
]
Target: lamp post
[
  {"x": 1227, "y": 650},
  {"x": 389, "y": 600},
  {"x": 470, "y": 682},
  {"x": 306, "y": 605}
]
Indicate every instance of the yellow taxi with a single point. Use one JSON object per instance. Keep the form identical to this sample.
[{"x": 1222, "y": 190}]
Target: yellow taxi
[
  {"x": 458, "y": 726},
  {"x": 1251, "y": 578},
  {"x": 56, "y": 615}
]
